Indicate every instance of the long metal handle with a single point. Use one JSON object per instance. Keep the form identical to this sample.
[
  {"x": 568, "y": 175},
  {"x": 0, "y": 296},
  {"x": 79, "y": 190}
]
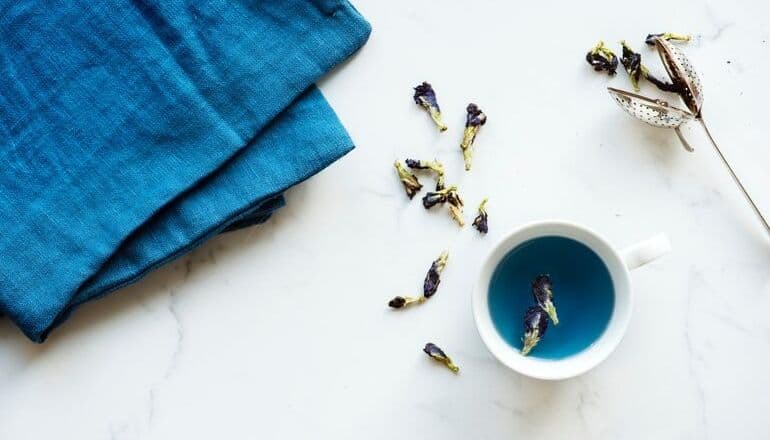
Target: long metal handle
[{"x": 735, "y": 177}]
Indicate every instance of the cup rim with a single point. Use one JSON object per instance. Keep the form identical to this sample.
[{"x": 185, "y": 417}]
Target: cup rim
[{"x": 578, "y": 363}]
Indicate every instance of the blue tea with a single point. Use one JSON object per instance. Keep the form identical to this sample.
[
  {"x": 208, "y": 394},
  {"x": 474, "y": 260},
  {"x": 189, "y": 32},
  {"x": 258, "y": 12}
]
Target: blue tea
[{"x": 582, "y": 292}]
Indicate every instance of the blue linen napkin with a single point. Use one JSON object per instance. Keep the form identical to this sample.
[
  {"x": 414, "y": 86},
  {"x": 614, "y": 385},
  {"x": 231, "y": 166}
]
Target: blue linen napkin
[{"x": 132, "y": 131}]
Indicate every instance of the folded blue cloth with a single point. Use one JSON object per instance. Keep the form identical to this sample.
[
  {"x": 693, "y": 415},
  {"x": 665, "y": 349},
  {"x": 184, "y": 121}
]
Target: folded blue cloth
[{"x": 132, "y": 131}]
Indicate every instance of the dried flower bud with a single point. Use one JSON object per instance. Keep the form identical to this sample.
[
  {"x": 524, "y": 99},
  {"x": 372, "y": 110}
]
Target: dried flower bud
[
  {"x": 457, "y": 215},
  {"x": 456, "y": 207},
  {"x": 632, "y": 62},
  {"x": 433, "y": 277},
  {"x": 411, "y": 185},
  {"x": 438, "y": 354},
  {"x": 601, "y": 58},
  {"x": 454, "y": 198},
  {"x": 425, "y": 96},
  {"x": 474, "y": 119},
  {"x": 405, "y": 301},
  {"x": 433, "y": 198},
  {"x": 542, "y": 290},
  {"x": 535, "y": 325},
  {"x": 432, "y": 165},
  {"x": 480, "y": 222},
  {"x": 650, "y": 40}
]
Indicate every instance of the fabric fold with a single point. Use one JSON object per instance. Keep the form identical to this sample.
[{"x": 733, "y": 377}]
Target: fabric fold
[{"x": 133, "y": 131}]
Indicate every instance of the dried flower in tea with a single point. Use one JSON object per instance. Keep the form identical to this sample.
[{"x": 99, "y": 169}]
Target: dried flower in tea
[
  {"x": 666, "y": 36},
  {"x": 480, "y": 222},
  {"x": 474, "y": 119},
  {"x": 425, "y": 97},
  {"x": 632, "y": 62},
  {"x": 601, "y": 58},
  {"x": 438, "y": 354},
  {"x": 433, "y": 198},
  {"x": 433, "y": 277},
  {"x": 432, "y": 165},
  {"x": 405, "y": 301},
  {"x": 411, "y": 185},
  {"x": 542, "y": 290},
  {"x": 535, "y": 325}
]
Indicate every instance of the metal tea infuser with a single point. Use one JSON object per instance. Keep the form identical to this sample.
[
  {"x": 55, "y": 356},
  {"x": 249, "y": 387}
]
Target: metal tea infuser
[{"x": 660, "y": 113}]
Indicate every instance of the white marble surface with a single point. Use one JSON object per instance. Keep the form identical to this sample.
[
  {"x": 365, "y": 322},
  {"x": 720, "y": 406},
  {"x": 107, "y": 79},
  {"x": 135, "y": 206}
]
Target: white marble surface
[{"x": 281, "y": 331}]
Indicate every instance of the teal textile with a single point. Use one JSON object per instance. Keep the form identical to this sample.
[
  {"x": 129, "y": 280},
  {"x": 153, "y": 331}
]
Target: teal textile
[{"x": 132, "y": 131}]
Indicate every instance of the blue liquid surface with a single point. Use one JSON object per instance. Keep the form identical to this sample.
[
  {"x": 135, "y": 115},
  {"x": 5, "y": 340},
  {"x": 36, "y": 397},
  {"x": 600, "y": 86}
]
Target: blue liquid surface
[{"x": 582, "y": 290}]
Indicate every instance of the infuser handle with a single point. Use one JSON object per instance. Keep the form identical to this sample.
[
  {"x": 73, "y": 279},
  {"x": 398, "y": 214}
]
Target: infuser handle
[{"x": 735, "y": 177}]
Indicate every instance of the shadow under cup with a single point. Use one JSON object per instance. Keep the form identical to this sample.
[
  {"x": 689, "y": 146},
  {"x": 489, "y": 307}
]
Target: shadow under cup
[{"x": 591, "y": 290}]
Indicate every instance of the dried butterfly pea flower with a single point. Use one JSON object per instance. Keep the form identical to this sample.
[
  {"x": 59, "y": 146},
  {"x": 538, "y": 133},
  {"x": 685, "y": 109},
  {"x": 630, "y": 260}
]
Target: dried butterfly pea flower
[
  {"x": 632, "y": 62},
  {"x": 432, "y": 165},
  {"x": 666, "y": 36},
  {"x": 433, "y": 198},
  {"x": 457, "y": 215},
  {"x": 601, "y": 58},
  {"x": 454, "y": 198},
  {"x": 411, "y": 185},
  {"x": 474, "y": 119},
  {"x": 430, "y": 285},
  {"x": 425, "y": 97},
  {"x": 542, "y": 290},
  {"x": 433, "y": 277},
  {"x": 438, "y": 354},
  {"x": 405, "y": 301},
  {"x": 480, "y": 222},
  {"x": 535, "y": 325},
  {"x": 456, "y": 207}
]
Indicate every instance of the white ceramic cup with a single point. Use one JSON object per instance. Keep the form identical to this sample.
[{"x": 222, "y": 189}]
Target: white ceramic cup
[{"x": 618, "y": 263}]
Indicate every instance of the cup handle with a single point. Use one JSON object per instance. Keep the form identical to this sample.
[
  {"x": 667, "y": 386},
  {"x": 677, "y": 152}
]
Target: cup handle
[{"x": 646, "y": 251}]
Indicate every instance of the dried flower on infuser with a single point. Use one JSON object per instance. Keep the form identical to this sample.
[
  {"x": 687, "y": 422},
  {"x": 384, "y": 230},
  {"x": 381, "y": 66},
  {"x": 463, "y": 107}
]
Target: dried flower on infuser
[
  {"x": 456, "y": 207},
  {"x": 400, "y": 302},
  {"x": 480, "y": 222},
  {"x": 438, "y": 354},
  {"x": 432, "y": 165},
  {"x": 668, "y": 36},
  {"x": 433, "y": 277},
  {"x": 535, "y": 325},
  {"x": 687, "y": 84},
  {"x": 601, "y": 59},
  {"x": 474, "y": 119},
  {"x": 433, "y": 198},
  {"x": 632, "y": 62},
  {"x": 411, "y": 185},
  {"x": 682, "y": 74},
  {"x": 542, "y": 290},
  {"x": 425, "y": 97}
]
